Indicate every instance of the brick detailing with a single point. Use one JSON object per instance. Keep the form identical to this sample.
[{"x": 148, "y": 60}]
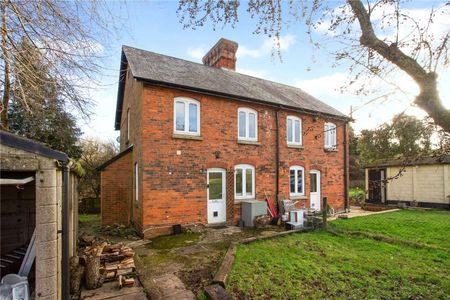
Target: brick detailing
[
  {"x": 230, "y": 195},
  {"x": 222, "y": 55},
  {"x": 117, "y": 190}
]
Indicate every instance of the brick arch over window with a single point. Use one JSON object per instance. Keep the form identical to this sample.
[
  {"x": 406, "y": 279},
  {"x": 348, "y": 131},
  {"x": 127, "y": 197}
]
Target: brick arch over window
[
  {"x": 296, "y": 163},
  {"x": 217, "y": 164},
  {"x": 245, "y": 161}
]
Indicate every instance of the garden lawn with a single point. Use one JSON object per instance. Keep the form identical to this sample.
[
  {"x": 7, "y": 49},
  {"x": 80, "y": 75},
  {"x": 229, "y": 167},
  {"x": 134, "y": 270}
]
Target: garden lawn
[
  {"x": 323, "y": 265},
  {"x": 430, "y": 227}
]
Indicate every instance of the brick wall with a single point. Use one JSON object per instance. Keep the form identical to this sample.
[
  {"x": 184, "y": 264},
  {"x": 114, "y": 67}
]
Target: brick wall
[
  {"x": 133, "y": 102},
  {"x": 174, "y": 170},
  {"x": 116, "y": 190}
]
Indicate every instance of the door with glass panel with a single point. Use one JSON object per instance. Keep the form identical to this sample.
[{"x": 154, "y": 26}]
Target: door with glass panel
[
  {"x": 314, "y": 185},
  {"x": 217, "y": 208}
]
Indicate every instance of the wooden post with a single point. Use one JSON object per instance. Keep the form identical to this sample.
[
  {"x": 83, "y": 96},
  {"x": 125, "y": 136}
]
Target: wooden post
[{"x": 324, "y": 212}]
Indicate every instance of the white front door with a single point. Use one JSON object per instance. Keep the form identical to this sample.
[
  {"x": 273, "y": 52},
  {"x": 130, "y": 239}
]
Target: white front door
[
  {"x": 217, "y": 207},
  {"x": 314, "y": 189}
]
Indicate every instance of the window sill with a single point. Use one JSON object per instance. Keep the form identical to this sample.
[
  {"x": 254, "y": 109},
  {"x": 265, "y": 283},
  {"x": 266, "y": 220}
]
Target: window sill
[
  {"x": 245, "y": 142},
  {"x": 295, "y": 146},
  {"x": 302, "y": 197},
  {"x": 330, "y": 150},
  {"x": 187, "y": 137},
  {"x": 236, "y": 201}
]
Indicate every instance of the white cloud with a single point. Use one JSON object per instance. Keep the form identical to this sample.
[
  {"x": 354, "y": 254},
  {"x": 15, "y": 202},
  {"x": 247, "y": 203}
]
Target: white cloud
[
  {"x": 254, "y": 73},
  {"x": 322, "y": 86},
  {"x": 197, "y": 52},
  {"x": 243, "y": 51},
  {"x": 265, "y": 48},
  {"x": 284, "y": 43}
]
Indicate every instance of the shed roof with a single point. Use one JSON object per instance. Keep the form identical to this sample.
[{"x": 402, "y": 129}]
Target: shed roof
[
  {"x": 114, "y": 158},
  {"x": 442, "y": 159},
  {"x": 178, "y": 73},
  {"x": 19, "y": 142}
]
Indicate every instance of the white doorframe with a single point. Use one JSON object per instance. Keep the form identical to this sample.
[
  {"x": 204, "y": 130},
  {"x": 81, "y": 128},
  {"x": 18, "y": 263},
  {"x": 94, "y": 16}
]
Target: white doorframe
[
  {"x": 216, "y": 208},
  {"x": 315, "y": 194}
]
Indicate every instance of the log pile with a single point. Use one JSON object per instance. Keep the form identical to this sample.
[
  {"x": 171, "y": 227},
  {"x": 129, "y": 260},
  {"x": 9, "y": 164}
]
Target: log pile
[
  {"x": 116, "y": 262},
  {"x": 103, "y": 262}
]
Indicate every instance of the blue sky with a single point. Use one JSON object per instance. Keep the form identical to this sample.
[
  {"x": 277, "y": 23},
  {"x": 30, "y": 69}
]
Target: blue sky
[{"x": 155, "y": 26}]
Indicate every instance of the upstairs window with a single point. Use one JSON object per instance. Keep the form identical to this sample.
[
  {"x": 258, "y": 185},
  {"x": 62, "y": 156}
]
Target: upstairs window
[
  {"x": 294, "y": 130},
  {"x": 247, "y": 124},
  {"x": 296, "y": 181},
  {"x": 330, "y": 135},
  {"x": 244, "y": 182},
  {"x": 186, "y": 116}
]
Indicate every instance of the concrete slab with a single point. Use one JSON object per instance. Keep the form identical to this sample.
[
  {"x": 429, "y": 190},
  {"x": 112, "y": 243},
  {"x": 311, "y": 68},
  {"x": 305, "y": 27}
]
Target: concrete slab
[
  {"x": 111, "y": 291},
  {"x": 172, "y": 287},
  {"x": 356, "y": 211}
]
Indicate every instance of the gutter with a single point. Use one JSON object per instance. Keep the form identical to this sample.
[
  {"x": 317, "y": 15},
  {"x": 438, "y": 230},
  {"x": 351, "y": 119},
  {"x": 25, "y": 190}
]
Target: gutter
[
  {"x": 346, "y": 204},
  {"x": 225, "y": 95},
  {"x": 277, "y": 158},
  {"x": 65, "y": 232}
]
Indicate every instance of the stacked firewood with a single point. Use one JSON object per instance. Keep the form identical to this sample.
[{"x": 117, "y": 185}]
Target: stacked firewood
[{"x": 104, "y": 262}]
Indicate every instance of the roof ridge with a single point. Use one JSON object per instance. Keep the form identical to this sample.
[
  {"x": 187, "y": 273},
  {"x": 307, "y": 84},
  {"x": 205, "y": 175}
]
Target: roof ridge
[{"x": 223, "y": 70}]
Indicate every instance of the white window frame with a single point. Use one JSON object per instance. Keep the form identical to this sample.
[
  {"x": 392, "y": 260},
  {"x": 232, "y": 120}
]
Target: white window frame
[
  {"x": 329, "y": 134},
  {"x": 244, "y": 168},
  {"x": 247, "y": 112},
  {"x": 293, "y": 142},
  {"x": 186, "y": 102},
  {"x": 136, "y": 181},
  {"x": 128, "y": 124},
  {"x": 296, "y": 169}
]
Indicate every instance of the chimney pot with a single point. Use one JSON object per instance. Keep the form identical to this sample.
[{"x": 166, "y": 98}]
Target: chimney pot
[{"x": 222, "y": 55}]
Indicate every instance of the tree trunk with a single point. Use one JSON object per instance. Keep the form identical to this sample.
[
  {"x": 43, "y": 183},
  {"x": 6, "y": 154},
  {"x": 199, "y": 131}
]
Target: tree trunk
[
  {"x": 7, "y": 83},
  {"x": 92, "y": 271},
  {"x": 76, "y": 274},
  {"x": 428, "y": 98}
]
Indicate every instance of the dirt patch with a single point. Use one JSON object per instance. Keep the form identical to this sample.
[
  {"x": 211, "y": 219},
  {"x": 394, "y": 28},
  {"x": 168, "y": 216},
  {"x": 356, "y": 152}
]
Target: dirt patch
[
  {"x": 174, "y": 241},
  {"x": 194, "y": 257}
]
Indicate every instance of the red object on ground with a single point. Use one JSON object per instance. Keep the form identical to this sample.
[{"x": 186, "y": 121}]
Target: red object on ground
[{"x": 272, "y": 210}]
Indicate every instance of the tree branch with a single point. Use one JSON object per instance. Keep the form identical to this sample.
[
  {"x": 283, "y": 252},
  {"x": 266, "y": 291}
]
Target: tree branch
[{"x": 428, "y": 98}]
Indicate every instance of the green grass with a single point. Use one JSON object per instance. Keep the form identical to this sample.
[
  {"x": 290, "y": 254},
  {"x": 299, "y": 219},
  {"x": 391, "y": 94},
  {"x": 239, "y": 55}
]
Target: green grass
[
  {"x": 430, "y": 227},
  {"x": 322, "y": 265},
  {"x": 89, "y": 218}
]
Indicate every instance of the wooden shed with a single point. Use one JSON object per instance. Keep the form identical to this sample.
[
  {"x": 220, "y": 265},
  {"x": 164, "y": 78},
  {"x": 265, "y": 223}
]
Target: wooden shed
[
  {"x": 39, "y": 207},
  {"x": 423, "y": 182}
]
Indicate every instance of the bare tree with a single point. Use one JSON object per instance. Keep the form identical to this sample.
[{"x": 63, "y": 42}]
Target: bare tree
[
  {"x": 94, "y": 153},
  {"x": 377, "y": 38},
  {"x": 70, "y": 35}
]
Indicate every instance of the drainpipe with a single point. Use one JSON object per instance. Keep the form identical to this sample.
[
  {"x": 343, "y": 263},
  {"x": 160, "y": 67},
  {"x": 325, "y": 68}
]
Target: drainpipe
[
  {"x": 65, "y": 233},
  {"x": 277, "y": 157},
  {"x": 346, "y": 206}
]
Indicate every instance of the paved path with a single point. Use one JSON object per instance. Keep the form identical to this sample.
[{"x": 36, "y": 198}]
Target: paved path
[
  {"x": 172, "y": 287},
  {"x": 111, "y": 291},
  {"x": 356, "y": 211}
]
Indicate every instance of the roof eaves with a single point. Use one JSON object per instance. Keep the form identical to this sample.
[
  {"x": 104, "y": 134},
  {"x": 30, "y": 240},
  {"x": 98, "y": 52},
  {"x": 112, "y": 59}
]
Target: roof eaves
[
  {"x": 239, "y": 98},
  {"x": 114, "y": 158},
  {"x": 121, "y": 90},
  {"x": 16, "y": 141}
]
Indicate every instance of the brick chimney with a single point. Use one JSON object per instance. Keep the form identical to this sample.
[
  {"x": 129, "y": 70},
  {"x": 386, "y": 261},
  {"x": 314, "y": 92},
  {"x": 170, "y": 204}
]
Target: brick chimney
[{"x": 222, "y": 55}]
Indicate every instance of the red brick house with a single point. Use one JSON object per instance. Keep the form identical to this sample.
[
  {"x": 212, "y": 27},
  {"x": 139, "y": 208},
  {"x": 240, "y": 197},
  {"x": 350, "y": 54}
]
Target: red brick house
[{"x": 197, "y": 139}]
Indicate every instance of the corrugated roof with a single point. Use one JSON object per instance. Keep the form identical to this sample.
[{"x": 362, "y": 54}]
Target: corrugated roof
[
  {"x": 171, "y": 71},
  {"x": 442, "y": 159}
]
